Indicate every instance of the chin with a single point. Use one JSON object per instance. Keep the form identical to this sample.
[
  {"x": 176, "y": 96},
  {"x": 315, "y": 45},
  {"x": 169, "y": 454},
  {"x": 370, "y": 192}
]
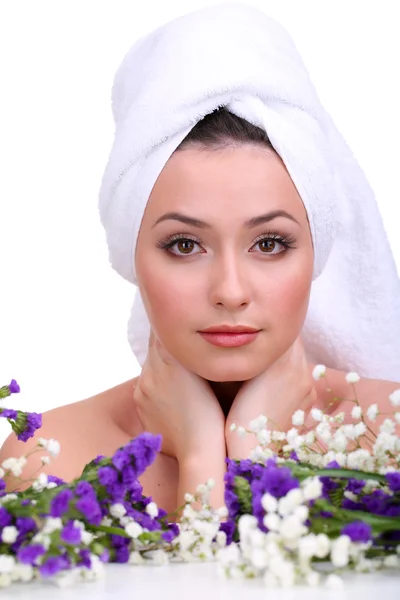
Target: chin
[{"x": 227, "y": 369}]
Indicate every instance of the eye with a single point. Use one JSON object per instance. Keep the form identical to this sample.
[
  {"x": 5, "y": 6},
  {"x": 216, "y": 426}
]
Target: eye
[{"x": 270, "y": 243}]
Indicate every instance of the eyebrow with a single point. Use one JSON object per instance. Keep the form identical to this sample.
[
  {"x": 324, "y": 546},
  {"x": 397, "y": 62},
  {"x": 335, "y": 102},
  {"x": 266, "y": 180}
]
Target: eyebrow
[{"x": 254, "y": 222}]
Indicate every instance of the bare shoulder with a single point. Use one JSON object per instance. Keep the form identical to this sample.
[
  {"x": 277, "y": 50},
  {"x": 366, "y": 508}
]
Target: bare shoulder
[{"x": 84, "y": 429}]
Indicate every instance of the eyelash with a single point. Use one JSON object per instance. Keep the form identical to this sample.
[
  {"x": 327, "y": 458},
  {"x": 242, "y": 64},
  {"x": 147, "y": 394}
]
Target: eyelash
[{"x": 286, "y": 241}]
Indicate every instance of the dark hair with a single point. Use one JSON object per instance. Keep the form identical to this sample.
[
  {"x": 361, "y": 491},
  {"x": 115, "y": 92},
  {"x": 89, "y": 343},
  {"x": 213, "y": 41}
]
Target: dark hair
[{"x": 221, "y": 129}]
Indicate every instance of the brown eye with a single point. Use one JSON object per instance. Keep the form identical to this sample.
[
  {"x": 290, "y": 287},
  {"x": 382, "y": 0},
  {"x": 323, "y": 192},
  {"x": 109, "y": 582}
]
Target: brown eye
[
  {"x": 185, "y": 246},
  {"x": 267, "y": 245}
]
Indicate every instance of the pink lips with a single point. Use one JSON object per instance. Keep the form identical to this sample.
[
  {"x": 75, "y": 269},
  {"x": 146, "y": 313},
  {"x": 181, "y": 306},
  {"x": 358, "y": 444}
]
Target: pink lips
[{"x": 229, "y": 340}]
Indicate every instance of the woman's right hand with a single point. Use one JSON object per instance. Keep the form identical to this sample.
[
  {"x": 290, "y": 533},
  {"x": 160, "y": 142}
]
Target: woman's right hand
[{"x": 178, "y": 404}]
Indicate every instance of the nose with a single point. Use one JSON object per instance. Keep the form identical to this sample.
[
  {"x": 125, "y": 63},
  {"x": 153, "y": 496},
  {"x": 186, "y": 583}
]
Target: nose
[{"x": 229, "y": 285}]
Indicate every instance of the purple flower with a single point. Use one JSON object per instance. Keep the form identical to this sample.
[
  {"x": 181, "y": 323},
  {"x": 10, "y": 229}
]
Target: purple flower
[
  {"x": 228, "y": 527},
  {"x": 9, "y": 413},
  {"x": 2, "y": 487},
  {"x": 60, "y": 503},
  {"x": 275, "y": 480},
  {"x": 144, "y": 448},
  {"x": 358, "y": 531},
  {"x": 136, "y": 492},
  {"x": 33, "y": 422},
  {"x": 122, "y": 554},
  {"x": 55, "y": 479},
  {"x": 105, "y": 555},
  {"x": 90, "y": 508},
  {"x": 116, "y": 492},
  {"x": 71, "y": 534},
  {"x": 120, "y": 459},
  {"x": 25, "y": 525},
  {"x": 14, "y": 387},
  {"x": 129, "y": 477},
  {"x": 53, "y": 565},
  {"x": 84, "y": 488},
  {"x": 355, "y": 485},
  {"x": 5, "y": 517},
  {"x": 107, "y": 475},
  {"x": 98, "y": 458},
  {"x": 28, "y": 554},
  {"x": 85, "y": 560},
  {"x": 393, "y": 480}
]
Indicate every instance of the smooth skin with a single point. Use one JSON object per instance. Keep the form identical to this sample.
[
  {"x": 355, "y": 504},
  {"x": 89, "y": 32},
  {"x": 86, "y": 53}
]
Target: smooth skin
[{"x": 238, "y": 262}]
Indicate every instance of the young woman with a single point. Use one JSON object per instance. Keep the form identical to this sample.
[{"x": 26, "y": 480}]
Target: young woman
[{"x": 224, "y": 263}]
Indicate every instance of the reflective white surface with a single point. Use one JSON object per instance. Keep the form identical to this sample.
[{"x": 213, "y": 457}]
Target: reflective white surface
[{"x": 195, "y": 581}]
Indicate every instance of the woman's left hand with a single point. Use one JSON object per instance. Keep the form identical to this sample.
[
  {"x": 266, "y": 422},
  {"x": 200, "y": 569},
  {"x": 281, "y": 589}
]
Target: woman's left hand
[{"x": 286, "y": 386}]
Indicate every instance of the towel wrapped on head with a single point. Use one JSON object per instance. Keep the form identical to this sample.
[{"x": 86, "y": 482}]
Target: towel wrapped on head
[{"x": 234, "y": 55}]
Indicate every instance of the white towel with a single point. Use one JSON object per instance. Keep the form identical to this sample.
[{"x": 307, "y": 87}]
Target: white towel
[{"x": 234, "y": 55}]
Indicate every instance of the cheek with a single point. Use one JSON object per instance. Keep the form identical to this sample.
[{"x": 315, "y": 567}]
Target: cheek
[
  {"x": 170, "y": 300},
  {"x": 288, "y": 302}
]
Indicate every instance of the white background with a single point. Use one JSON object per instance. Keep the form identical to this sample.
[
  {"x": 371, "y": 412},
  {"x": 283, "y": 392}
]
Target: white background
[{"x": 63, "y": 311}]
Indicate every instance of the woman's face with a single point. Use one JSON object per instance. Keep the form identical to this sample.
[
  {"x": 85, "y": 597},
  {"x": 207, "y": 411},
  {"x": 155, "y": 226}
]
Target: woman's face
[{"x": 221, "y": 269}]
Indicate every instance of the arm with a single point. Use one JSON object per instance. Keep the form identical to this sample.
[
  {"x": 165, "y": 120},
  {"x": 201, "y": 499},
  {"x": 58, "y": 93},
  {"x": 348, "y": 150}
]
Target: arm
[{"x": 196, "y": 470}]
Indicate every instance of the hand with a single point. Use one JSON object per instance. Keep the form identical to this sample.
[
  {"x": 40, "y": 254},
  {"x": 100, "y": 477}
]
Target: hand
[
  {"x": 179, "y": 405},
  {"x": 286, "y": 386}
]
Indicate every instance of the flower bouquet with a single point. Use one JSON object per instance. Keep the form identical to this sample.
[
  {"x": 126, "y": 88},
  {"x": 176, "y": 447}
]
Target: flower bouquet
[{"x": 305, "y": 505}]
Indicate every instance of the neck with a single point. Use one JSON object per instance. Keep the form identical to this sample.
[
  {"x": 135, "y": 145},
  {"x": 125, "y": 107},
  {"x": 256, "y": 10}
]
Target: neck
[{"x": 225, "y": 392}]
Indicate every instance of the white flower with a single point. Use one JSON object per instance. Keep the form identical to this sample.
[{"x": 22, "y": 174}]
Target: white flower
[
  {"x": 388, "y": 426},
  {"x": 189, "y": 498},
  {"x": 298, "y": 418},
  {"x": 15, "y": 465},
  {"x": 318, "y": 372},
  {"x": 53, "y": 447},
  {"x": 288, "y": 503},
  {"x": 22, "y": 572},
  {"x": 52, "y": 524},
  {"x": 291, "y": 528},
  {"x": 233, "y": 427},
  {"x": 241, "y": 431},
  {"x": 323, "y": 430},
  {"x": 312, "y": 488},
  {"x": 334, "y": 582},
  {"x": 397, "y": 418},
  {"x": 264, "y": 436},
  {"x": 222, "y": 512},
  {"x": 40, "y": 483},
  {"x": 394, "y": 398},
  {"x": 372, "y": 412},
  {"x": 45, "y": 460},
  {"x": 134, "y": 529},
  {"x": 317, "y": 414},
  {"x": 117, "y": 510},
  {"x": 292, "y": 435},
  {"x": 356, "y": 412},
  {"x": 278, "y": 436},
  {"x": 221, "y": 539},
  {"x": 257, "y": 424},
  {"x": 2, "y": 473},
  {"x": 9, "y": 534},
  {"x": 360, "y": 429},
  {"x": 340, "y": 551},
  {"x": 352, "y": 377},
  {"x": 7, "y": 563},
  {"x": 272, "y": 521},
  {"x": 135, "y": 558},
  {"x": 269, "y": 503},
  {"x": 152, "y": 509},
  {"x": 323, "y": 545}
]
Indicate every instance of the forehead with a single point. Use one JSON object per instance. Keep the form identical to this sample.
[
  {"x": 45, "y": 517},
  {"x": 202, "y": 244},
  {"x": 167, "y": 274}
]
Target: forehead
[{"x": 243, "y": 179}]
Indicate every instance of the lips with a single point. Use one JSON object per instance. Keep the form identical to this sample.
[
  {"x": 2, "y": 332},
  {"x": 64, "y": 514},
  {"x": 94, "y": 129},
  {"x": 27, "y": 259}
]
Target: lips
[
  {"x": 230, "y": 339},
  {"x": 229, "y": 329}
]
